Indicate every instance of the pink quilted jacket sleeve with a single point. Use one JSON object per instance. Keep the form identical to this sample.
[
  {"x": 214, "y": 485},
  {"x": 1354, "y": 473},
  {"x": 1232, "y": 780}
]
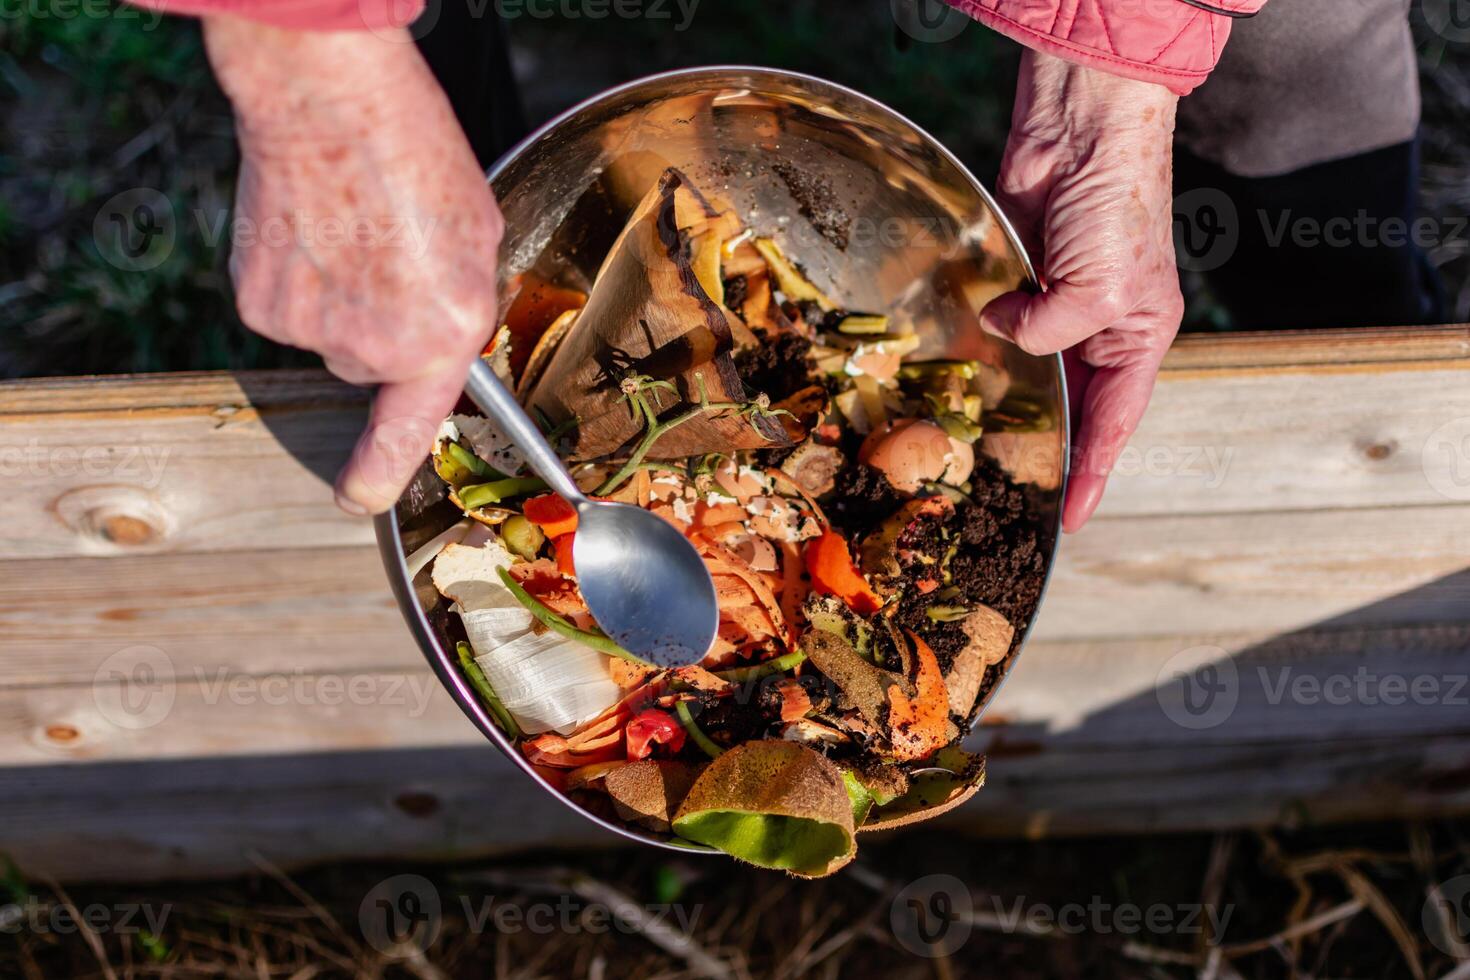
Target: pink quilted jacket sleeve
[
  {"x": 1172, "y": 42},
  {"x": 307, "y": 15}
]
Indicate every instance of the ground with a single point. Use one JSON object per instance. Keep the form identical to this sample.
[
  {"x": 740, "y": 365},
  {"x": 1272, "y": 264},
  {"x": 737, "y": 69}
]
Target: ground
[{"x": 1366, "y": 902}]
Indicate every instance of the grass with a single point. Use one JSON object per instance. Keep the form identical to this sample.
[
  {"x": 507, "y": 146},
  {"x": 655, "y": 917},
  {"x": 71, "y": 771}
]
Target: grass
[
  {"x": 1347, "y": 902},
  {"x": 125, "y": 104}
]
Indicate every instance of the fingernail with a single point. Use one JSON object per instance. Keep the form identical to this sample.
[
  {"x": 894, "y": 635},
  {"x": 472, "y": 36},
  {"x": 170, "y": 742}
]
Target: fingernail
[{"x": 351, "y": 506}]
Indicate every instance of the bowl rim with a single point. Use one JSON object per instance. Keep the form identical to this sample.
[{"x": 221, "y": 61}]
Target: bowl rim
[{"x": 390, "y": 540}]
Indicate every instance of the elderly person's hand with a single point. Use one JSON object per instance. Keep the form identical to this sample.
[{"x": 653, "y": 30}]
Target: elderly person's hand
[
  {"x": 364, "y": 228},
  {"x": 1087, "y": 178}
]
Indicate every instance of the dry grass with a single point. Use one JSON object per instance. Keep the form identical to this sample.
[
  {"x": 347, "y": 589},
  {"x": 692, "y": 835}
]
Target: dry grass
[{"x": 1351, "y": 902}]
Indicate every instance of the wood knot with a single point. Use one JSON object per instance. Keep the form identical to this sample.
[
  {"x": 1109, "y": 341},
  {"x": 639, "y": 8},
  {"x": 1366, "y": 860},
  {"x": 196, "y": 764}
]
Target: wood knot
[
  {"x": 417, "y": 803},
  {"x": 1377, "y": 451},
  {"x": 65, "y": 734},
  {"x": 115, "y": 517}
]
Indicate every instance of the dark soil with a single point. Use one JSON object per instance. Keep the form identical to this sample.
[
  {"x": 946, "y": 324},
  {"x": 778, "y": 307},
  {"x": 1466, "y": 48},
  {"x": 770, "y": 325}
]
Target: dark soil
[{"x": 779, "y": 366}]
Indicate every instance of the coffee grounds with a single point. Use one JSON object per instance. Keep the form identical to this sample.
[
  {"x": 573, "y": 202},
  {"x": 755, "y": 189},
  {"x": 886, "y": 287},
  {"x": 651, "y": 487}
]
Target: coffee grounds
[
  {"x": 862, "y": 497},
  {"x": 778, "y": 366}
]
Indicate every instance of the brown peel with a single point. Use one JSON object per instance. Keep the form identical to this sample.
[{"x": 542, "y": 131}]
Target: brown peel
[
  {"x": 648, "y": 792},
  {"x": 648, "y": 314},
  {"x": 774, "y": 804}
]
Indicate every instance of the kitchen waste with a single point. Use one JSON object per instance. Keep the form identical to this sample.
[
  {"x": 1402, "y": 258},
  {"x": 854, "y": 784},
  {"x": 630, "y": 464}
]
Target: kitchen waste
[{"x": 870, "y": 528}]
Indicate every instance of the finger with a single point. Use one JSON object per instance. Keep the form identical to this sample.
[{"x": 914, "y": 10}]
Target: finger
[
  {"x": 400, "y": 433},
  {"x": 1062, "y": 316},
  {"x": 1112, "y": 405}
]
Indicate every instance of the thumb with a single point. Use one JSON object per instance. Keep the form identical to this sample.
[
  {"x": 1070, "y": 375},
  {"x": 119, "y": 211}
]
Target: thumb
[
  {"x": 405, "y": 419},
  {"x": 1061, "y": 316}
]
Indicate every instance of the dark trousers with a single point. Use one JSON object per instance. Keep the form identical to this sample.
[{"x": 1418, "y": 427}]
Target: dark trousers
[
  {"x": 468, "y": 51},
  {"x": 1330, "y": 245}
]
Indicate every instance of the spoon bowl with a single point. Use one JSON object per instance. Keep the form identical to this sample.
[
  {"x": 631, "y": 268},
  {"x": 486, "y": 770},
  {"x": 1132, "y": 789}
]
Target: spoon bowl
[
  {"x": 642, "y": 580},
  {"x": 643, "y": 583}
]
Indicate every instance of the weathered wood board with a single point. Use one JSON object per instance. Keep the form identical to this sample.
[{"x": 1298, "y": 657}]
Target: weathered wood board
[{"x": 1268, "y": 620}]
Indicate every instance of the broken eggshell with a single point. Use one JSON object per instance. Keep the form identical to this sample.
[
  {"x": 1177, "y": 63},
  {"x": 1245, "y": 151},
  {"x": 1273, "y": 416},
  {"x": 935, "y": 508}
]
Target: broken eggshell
[{"x": 913, "y": 452}]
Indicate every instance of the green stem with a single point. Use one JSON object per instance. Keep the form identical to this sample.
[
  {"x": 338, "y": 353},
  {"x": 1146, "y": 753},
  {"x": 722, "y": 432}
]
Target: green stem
[
  {"x": 700, "y": 738},
  {"x": 655, "y": 432},
  {"x": 480, "y": 494},
  {"x": 558, "y": 625},
  {"x": 481, "y": 684},
  {"x": 780, "y": 665},
  {"x": 472, "y": 462}
]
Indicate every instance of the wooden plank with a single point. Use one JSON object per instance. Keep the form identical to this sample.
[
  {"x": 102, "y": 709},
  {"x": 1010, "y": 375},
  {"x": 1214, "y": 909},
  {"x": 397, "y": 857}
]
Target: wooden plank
[
  {"x": 136, "y": 711},
  {"x": 1380, "y": 346},
  {"x": 208, "y": 462},
  {"x": 157, "y": 464},
  {"x": 325, "y": 609},
  {"x": 196, "y": 818},
  {"x": 1171, "y": 789},
  {"x": 1232, "y": 442},
  {"x": 1184, "y": 575},
  {"x": 1319, "y": 685}
]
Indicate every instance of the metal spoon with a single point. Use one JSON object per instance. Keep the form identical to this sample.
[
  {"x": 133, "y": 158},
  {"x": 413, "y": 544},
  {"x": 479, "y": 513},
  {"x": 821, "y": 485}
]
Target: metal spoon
[{"x": 641, "y": 579}]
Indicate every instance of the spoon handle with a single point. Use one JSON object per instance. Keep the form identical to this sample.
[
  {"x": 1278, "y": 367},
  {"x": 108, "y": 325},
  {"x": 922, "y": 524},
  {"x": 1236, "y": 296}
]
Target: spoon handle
[{"x": 486, "y": 391}]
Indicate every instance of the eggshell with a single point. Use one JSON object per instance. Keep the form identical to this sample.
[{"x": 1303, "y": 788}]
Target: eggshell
[{"x": 912, "y": 452}]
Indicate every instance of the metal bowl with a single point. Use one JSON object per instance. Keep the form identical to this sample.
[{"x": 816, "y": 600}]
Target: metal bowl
[{"x": 877, "y": 212}]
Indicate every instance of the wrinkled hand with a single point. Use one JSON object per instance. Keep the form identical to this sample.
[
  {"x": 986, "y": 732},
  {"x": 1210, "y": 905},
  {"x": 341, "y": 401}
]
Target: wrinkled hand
[
  {"x": 364, "y": 229},
  {"x": 1087, "y": 178}
]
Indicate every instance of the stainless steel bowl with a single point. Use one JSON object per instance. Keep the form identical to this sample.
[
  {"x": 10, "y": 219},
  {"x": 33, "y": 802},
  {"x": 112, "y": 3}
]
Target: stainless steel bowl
[{"x": 879, "y": 214}]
